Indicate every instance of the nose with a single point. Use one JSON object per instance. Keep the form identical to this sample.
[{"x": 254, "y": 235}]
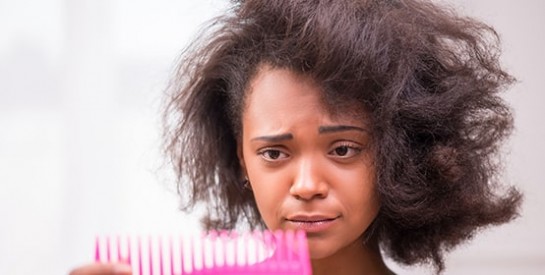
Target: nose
[{"x": 308, "y": 183}]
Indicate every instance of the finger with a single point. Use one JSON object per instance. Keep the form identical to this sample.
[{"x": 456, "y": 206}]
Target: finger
[{"x": 103, "y": 269}]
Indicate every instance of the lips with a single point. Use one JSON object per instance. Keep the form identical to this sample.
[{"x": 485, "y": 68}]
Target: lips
[
  {"x": 311, "y": 218},
  {"x": 312, "y": 223}
]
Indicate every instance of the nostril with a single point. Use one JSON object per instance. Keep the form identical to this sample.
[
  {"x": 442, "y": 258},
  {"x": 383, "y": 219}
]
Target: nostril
[
  {"x": 307, "y": 198},
  {"x": 309, "y": 191}
]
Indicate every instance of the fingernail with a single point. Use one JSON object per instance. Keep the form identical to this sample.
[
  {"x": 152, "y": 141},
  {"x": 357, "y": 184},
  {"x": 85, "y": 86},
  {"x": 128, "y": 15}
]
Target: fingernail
[{"x": 122, "y": 269}]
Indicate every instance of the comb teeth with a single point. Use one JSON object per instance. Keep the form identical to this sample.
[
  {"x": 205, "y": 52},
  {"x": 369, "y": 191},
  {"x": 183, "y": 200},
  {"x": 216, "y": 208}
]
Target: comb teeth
[{"x": 279, "y": 252}]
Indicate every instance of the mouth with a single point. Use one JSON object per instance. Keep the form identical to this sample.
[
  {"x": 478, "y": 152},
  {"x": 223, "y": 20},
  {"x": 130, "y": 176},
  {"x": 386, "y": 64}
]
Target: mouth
[
  {"x": 312, "y": 223},
  {"x": 310, "y": 219}
]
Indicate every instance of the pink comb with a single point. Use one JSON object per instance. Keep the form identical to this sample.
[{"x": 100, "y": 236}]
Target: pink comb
[{"x": 279, "y": 252}]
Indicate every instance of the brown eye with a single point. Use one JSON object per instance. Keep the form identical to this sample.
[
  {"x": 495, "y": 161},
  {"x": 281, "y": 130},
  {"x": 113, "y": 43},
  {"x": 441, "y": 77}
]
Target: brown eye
[
  {"x": 341, "y": 151},
  {"x": 273, "y": 155},
  {"x": 345, "y": 151}
]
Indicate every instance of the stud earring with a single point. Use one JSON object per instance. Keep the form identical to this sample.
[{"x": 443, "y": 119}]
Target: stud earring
[{"x": 246, "y": 184}]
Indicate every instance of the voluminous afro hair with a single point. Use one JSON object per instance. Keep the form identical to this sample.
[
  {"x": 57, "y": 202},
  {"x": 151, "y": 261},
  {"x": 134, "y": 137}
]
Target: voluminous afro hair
[{"x": 426, "y": 79}]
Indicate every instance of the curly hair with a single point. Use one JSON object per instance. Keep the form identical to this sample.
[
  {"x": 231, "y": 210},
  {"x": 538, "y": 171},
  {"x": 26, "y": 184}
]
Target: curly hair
[{"x": 426, "y": 78}]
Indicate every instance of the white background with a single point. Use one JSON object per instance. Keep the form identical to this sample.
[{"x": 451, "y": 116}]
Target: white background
[{"x": 80, "y": 96}]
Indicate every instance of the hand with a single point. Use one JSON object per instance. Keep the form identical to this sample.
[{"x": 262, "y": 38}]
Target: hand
[{"x": 103, "y": 269}]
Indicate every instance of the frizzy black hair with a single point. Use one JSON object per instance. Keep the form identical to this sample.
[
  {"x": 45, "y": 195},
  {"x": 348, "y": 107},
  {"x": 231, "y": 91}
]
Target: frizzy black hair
[{"x": 427, "y": 80}]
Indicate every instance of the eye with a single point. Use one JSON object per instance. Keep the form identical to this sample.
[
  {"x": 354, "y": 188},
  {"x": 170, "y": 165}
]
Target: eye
[
  {"x": 345, "y": 151},
  {"x": 272, "y": 154}
]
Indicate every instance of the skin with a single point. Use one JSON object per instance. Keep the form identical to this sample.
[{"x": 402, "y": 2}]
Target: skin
[
  {"x": 103, "y": 269},
  {"x": 310, "y": 170}
]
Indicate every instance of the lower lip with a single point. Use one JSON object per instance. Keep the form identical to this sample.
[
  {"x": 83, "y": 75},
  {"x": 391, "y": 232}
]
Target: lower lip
[{"x": 313, "y": 227}]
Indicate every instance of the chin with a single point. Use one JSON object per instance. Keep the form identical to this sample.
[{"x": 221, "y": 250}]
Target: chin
[{"x": 318, "y": 250}]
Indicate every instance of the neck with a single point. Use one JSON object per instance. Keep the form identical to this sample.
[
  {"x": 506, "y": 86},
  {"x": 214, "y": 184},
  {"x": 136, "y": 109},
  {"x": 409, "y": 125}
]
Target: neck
[{"x": 357, "y": 258}]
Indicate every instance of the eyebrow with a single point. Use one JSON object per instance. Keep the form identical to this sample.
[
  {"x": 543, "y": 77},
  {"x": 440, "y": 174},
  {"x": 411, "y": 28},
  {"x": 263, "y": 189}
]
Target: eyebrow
[
  {"x": 274, "y": 138},
  {"x": 321, "y": 130},
  {"x": 339, "y": 128}
]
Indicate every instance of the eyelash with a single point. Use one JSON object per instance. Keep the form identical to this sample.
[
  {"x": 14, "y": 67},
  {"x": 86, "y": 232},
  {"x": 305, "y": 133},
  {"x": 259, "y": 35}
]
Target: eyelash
[
  {"x": 356, "y": 150},
  {"x": 263, "y": 153},
  {"x": 350, "y": 147}
]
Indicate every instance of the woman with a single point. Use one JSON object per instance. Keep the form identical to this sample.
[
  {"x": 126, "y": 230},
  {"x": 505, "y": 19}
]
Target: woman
[{"x": 369, "y": 124}]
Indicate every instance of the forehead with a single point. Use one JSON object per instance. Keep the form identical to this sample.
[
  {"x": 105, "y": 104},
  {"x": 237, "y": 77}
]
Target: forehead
[
  {"x": 276, "y": 94},
  {"x": 272, "y": 84},
  {"x": 277, "y": 89}
]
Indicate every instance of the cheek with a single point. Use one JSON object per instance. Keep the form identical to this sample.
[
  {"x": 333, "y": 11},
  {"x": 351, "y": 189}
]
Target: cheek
[
  {"x": 357, "y": 191},
  {"x": 269, "y": 191},
  {"x": 365, "y": 206}
]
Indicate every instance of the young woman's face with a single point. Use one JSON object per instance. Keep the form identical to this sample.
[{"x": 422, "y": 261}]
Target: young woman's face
[{"x": 308, "y": 170}]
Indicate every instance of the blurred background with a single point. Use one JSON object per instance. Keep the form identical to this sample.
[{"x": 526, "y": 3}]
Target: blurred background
[{"x": 81, "y": 85}]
